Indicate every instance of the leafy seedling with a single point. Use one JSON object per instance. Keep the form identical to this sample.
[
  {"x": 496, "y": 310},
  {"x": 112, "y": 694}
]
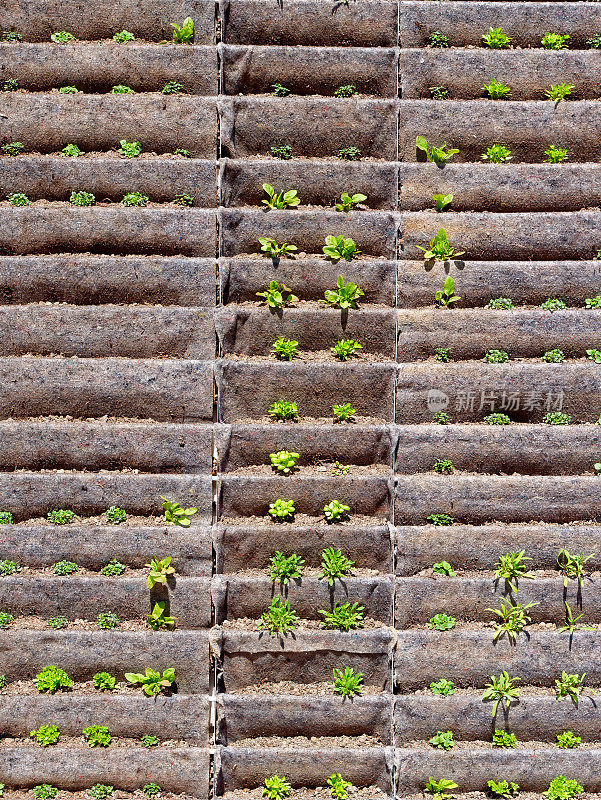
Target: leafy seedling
[
  {"x": 443, "y": 466},
  {"x": 553, "y": 357},
  {"x": 441, "y": 201},
  {"x": 284, "y": 349},
  {"x": 446, "y": 296},
  {"x": 338, "y": 786},
  {"x": 568, "y": 741},
  {"x": 343, "y": 616},
  {"x": 555, "y": 41},
  {"x": 175, "y": 514},
  {"x": 497, "y": 154},
  {"x": 10, "y": 85},
  {"x": 287, "y": 199},
  {"x": 511, "y": 568},
  {"x": 113, "y": 569},
  {"x": 129, "y": 149},
  {"x": 104, "y": 681},
  {"x": 158, "y": 618},
  {"x": 440, "y": 519},
  {"x": 115, "y": 515},
  {"x": 442, "y": 355},
  {"x": 160, "y": 570},
  {"x": 442, "y": 687},
  {"x": 60, "y": 516},
  {"x": 495, "y": 357},
  {"x": 43, "y": 791},
  {"x": 496, "y": 39},
  {"x": 439, "y": 92},
  {"x": 338, "y": 247},
  {"x": 46, "y": 735},
  {"x": 8, "y": 567},
  {"x": 135, "y": 199},
  {"x": 279, "y": 617},
  {"x": 284, "y": 461},
  {"x": 340, "y": 469},
  {"x": 283, "y": 152},
  {"x": 501, "y": 304},
  {"x": 562, "y": 788},
  {"x": 440, "y": 249},
  {"x": 151, "y": 790},
  {"x": 123, "y": 36},
  {"x": 556, "y": 418},
  {"x": 11, "y": 36},
  {"x": 148, "y": 740},
  {"x": 82, "y": 199},
  {"x": 282, "y": 510},
  {"x": 151, "y": 681},
  {"x": 504, "y": 790},
  {"x": 278, "y": 90},
  {"x": 107, "y": 620},
  {"x": 497, "y": 419},
  {"x": 349, "y": 154},
  {"x": 173, "y": 87},
  {"x": 443, "y": 568},
  {"x": 496, "y": 90},
  {"x": 572, "y": 566},
  {"x": 72, "y": 150},
  {"x": 58, "y": 623},
  {"x": 501, "y": 691},
  {"x": 274, "y": 250},
  {"x": 13, "y": 148},
  {"x": 276, "y": 788},
  {"x": 347, "y": 201},
  {"x": 100, "y": 791},
  {"x": 441, "y": 622},
  {"x": 277, "y": 295},
  {"x": 345, "y": 295},
  {"x": 346, "y": 91},
  {"x": 438, "y": 155},
  {"x": 559, "y": 92},
  {"x": 594, "y": 42},
  {"x": 347, "y": 682},
  {"x": 513, "y": 618},
  {"x": 62, "y": 37},
  {"x": 442, "y": 740},
  {"x": 68, "y": 90},
  {"x": 184, "y": 33},
  {"x": 345, "y": 348},
  {"x": 6, "y": 620},
  {"x": 502, "y": 738},
  {"x": 571, "y": 624},
  {"x": 440, "y": 789},
  {"x": 283, "y": 411},
  {"x": 64, "y": 568},
  {"x": 97, "y": 736},
  {"x": 52, "y": 679},
  {"x": 18, "y": 199},
  {"x": 343, "y": 412},
  {"x": 335, "y": 565},
  {"x": 553, "y": 304},
  {"x": 438, "y": 39},
  {"x": 555, "y": 155},
  {"x": 283, "y": 568}
]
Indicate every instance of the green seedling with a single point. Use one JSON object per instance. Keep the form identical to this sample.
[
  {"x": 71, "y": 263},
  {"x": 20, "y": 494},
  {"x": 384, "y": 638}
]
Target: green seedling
[
  {"x": 347, "y": 201},
  {"x": 571, "y": 623},
  {"x": 446, "y": 296},
  {"x": 594, "y": 42},
  {"x": 497, "y": 419},
  {"x": 440, "y": 249},
  {"x": 46, "y": 735},
  {"x": 97, "y": 736},
  {"x": 11, "y": 36},
  {"x": 443, "y": 568},
  {"x": 440, "y": 789},
  {"x": 183, "y": 199},
  {"x": 148, "y": 740},
  {"x": 568, "y": 741},
  {"x": 496, "y": 90},
  {"x": 555, "y": 155},
  {"x": 553, "y": 357},
  {"x": 181, "y": 151},
  {"x": 345, "y": 348},
  {"x": 442, "y": 740},
  {"x": 513, "y": 618},
  {"x": 274, "y": 250},
  {"x": 572, "y": 566},
  {"x": 277, "y": 295},
  {"x": 442, "y": 355},
  {"x": 8, "y": 567},
  {"x": 278, "y": 618},
  {"x": 441, "y": 622},
  {"x": 135, "y": 199},
  {"x": 18, "y": 199},
  {"x": 512, "y": 568},
  {"x": 52, "y": 679},
  {"x": 343, "y": 412},
  {"x": 278, "y": 90},
  {"x": 559, "y": 92},
  {"x": 173, "y": 87},
  {"x": 115, "y": 515},
  {"x": 64, "y": 568},
  {"x": 284, "y": 349},
  {"x": 343, "y": 616},
  {"x": 438, "y": 155},
  {"x": 100, "y": 791},
  {"x": 10, "y": 85},
  {"x": 335, "y": 565},
  {"x": 6, "y": 620},
  {"x": 441, "y": 201},
  {"x": 43, "y": 791},
  {"x": 283, "y": 411},
  {"x": 283, "y": 568},
  {"x": 13, "y": 149},
  {"x": 338, "y": 786},
  {"x": 440, "y": 519},
  {"x": 553, "y": 304},
  {"x": 82, "y": 199},
  {"x": 104, "y": 681},
  {"x": 72, "y": 150},
  {"x": 287, "y": 199},
  {"x": 184, "y": 33},
  {"x": 281, "y": 510},
  {"x": 496, "y": 39},
  {"x": 283, "y": 152},
  {"x": 151, "y": 789},
  {"x": 438, "y": 39},
  {"x": 60, "y": 516},
  {"x": 113, "y": 569},
  {"x": 123, "y": 36},
  {"x": 504, "y": 790},
  {"x": 569, "y": 685},
  {"x": 62, "y": 37},
  {"x": 556, "y": 418},
  {"x": 338, "y": 247},
  {"x": 555, "y": 41},
  {"x": 441, "y": 418},
  {"x": 129, "y": 149},
  {"x": 284, "y": 461},
  {"x": 594, "y": 355},
  {"x": 443, "y": 466},
  {"x": 442, "y": 687},
  {"x": 497, "y": 154},
  {"x": 346, "y": 91},
  {"x": 107, "y": 620},
  {"x": 562, "y": 788},
  {"x": 276, "y": 788},
  {"x": 349, "y": 154},
  {"x": 340, "y": 469},
  {"x": 501, "y": 691},
  {"x": 502, "y": 738},
  {"x": 6, "y": 518},
  {"x": 68, "y": 90},
  {"x": 160, "y": 570},
  {"x": 347, "y": 682},
  {"x": 500, "y": 304},
  {"x": 152, "y": 682},
  {"x": 495, "y": 357},
  {"x": 121, "y": 89},
  {"x": 58, "y": 623},
  {"x": 345, "y": 295},
  {"x": 158, "y": 618},
  {"x": 439, "y": 92},
  {"x": 175, "y": 514}
]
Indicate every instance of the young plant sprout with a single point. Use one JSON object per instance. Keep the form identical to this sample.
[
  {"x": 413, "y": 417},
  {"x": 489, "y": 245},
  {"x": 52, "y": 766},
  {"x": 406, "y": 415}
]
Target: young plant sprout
[
  {"x": 441, "y": 622},
  {"x": 274, "y": 250},
  {"x": 283, "y": 411},
  {"x": 61, "y": 516},
  {"x": 340, "y": 469},
  {"x": 339, "y": 787},
  {"x": 183, "y": 199},
  {"x": 559, "y": 92},
  {"x": 502, "y": 738},
  {"x": 440, "y": 789},
  {"x": 497, "y": 154},
  {"x": 160, "y": 570},
  {"x": 555, "y": 41},
  {"x": 135, "y": 199},
  {"x": 335, "y": 511},
  {"x": 349, "y": 154},
  {"x": 553, "y": 304},
  {"x": 511, "y": 568},
  {"x": 594, "y": 42},
  {"x": 335, "y": 565},
  {"x": 10, "y": 85},
  {"x": 571, "y": 622},
  {"x": 562, "y": 788},
  {"x": 513, "y": 618},
  {"x": 346, "y": 348},
  {"x": 283, "y": 568},
  {"x": 441, "y": 201},
  {"x": 567, "y": 740},
  {"x": 279, "y": 617},
  {"x": 277, "y": 295},
  {"x": 443, "y": 466},
  {"x": 151, "y": 681},
  {"x": 82, "y": 199},
  {"x": 18, "y": 200},
  {"x": 123, "y": 36},
  {"x": 64, "y": 568},
  {"x": 281, "y": 510},
  {"x": 443, "y": 568},
  {"x": 283, "y": 152},
  {"x": 438, "y": 155},
  {"x": 347, "y": 201},
  {"x": 438, "y": 39},
  {"x": 62, "y": 37},
  {"x": 495, "y": 357},
  {"x": 343, "y": 412},
  {"x": 343, "y": 616},
  {"x": 496, "y": 39},
  {"x": 347, "y": 682},
  {"x": 446, "y": 296},
  {"x": 442, "y": 740},
  {"x": 158, "y": 617},
  {"x": 442, "y": 687},
  {"x": 570, "y": 686},
  {"x": 276, "y": 788},
  {"x": 553, "y": 357},
  {"x": 279, "y": 90},
  {"x": 500, "y": 304},
  {"x": 594, "y": 355},
  {"x": 129, "y": 149},
  {"x": 439, "y": 93},
  {"x": 283, "y": 461},
  {"x": 184, "y": 33},
  {"x": 503, "y": 790},
  {"x": 496, "y": 90},
  {"x": 556, "y": 418},
  {"x": 284, "y": 349},
  {"x": 173, "y": 87},
  {"x": 442, "y": 355},
  {"x": 440, "y": 519},
  {"x": 346, "y": 91},
  {"x": 572, "y": 566},
  {"x": 440, "y": 249},
  {"x": 345, "y": 295},
  {"x": 287, "y": 199},
  {"x": 501, "y": 691},
  {"x": 13, "y": 148},
  {"x": 555, "y": 155},
  {"x": 68, "y": 90},
  {"x": 175, "y": 514},
  {"x": 338, "y": 247},
  {"x": 497, "y": 419}
]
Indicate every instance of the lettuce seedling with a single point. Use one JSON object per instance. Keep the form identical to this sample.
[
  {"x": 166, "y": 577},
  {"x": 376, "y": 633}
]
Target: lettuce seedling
[
  {"x": 284, "y": 349},
  {"x": 46, "y": 735},
  {"x": 553, "y": 357},
  {"x": 184, "y": 33},
  {"x": 441, "y": 622},
  {"x": 107, "y": 620},
  {"x": 496, "y": 39},
  {"x": 276, "y": 788},
  {"x": 347, "y": 201},
  {"x": 8, "y": 568},
  {"x": 594, "y": 42},
  {"x": 441, "y": 201},
  {"x": 175, "y": 514},
  {"x": 343, "y": 616},
  {"x": 504, "y": 790},
  {"x": 152, "y": 682},
  {"x": 440, "y": 519},
  {"x": 343, "y": 412},
  {"x": 279, "y": 90},
  {"x": 103, "y": 681},
  {"x": 283, "y": 152},
  {"x": 500, "y": 304},
  {"x": 346, "y": 348},
  {"x": 160, "y": 571},
  {"x": 173, "y": 87},
  {"x": 151, "y": 789},
  {"x": 440, "y": 249},
  {"x": 68, "y": 90},
  {"x": 442, "y": 354},
  {"x": 496, "y": 90},
  {"x": 347, "y": 682},
  {"x": 443, "y": 466},
  {"x": 135, "y": 199},
  {"x": 559, "y": 92},
  {"x": 438, "y": 155},
  {"x": 497, "y": 154},
  {"x": 345, "y": 295},
  {"x": 113, "y": 568},
  {"x": 82, "y": 199},
  {"x": 340, "y": 469},
  {"x": 555, "y": 155},
  {"x": 115, "y": 515},
  {"x": 60, "y": 516},
  {"x": 97, "y": 736},
  {"x": 442, "y": 740},
  {"x": 72, "y": 150},
  {"x": 6, "y": 518},
  {"x": 123, "y": 36},
  {"x": 129, "y": 149},
  {"x": 594, "y": 355},
  {"x": 121, "y": 89},
  {"x": 281, "y": 510},
  {"x": 287, "y": 199},
  {"x": 11, "y": 36},
  {"x": 446, "y": 296},
  {"x": 502, "y": 738},
  {"x": 439, "y": 93},
  {"x": 283, "y": 411},
  {"x": 443, "y": 568},
  {"x": 555, "y": 41},
  {"x": 338, "y": 786},
  {"x": 274, "y": 250},
  {"x": 501, "y": 691},
  {"x": 349, "y": 154},
  {"x": 568, "y": 741},
  {"x": 438, "y": 39},
  {"x": 284, "y": 461},
  {"x": 147, "y": 740},
  {"x": 440, "y": 789},
  {"x": 497, "y": 419},
  {"x": 277, "y": 295},
  {"x": 43, "y": 791},
  {"x": 335, "y": 511},
  {"x": 100, "y": 791},
  {"x": 556, "y": 418},
  {"x": 18, "y": 199},
  {"x": 181, "y": 151},
  {"x": 51, "y": 679},
  {"x": 338, "y": 247},
  {"x": 183, "y": 199},
  {"x": 593, "y": 302},
  {"x": 562, "y": 788},
  {"x": 62, "y": 37},
  {"x": 64, "y": 568},
  {"x": 13, "y": 148},
  {"x": 441, "y": 418},
  {"x": 283, "y": 568},
  {"x": 279, "y": 617},
  {"x": 58, "y": 623},
  {"x": 442, "y": 687},
  {"x": 346, "y": 91},
  {"x": 553, "y": 304},
  {"x": 495, "y": 357}
]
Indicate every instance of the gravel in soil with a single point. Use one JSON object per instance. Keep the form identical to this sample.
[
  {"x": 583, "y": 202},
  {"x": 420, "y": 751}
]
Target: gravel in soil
[
  {"x": 132, "y": 520},
  {"x": 85, "y": 795},
  {"x": 313, "y": 741},
  {"x": 304, "y": 519},
  {"x": 39, "y": 624},
  {"x": 319, "y": 793},
  {"x": 322, "y": 689},
  {"x": 79, "y": 741},
  {"x": 525, "y": 692},
  {"x": 78, "y": 688},
  {"x": 308, "y": 572},
  {"x": 328, "y": 469},
  {"x": 481, "y": 745},
  {"x": 248, "y": 624},
  {"x": 315, "y": 357}
]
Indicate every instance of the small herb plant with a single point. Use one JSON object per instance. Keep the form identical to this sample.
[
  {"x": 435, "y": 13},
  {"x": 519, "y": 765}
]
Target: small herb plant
[
  {"x": 569, "y": 685},
  {"x": 175, "y": 514},
  {"x": 173, "y": 87},
  {"x": 335, "y": 565},
  {"x": 6, "y": 518},
  {"x": 158, "y": 617},
  {"x": 438, "y": 39},
  {"x": 284, "y": 461},
  {"x": 497, "y": 154},
  {"x": 442, "y": 355},
  {"x": 115, "y": 515},
  {"x": 123, "y": 36},
  {"x": 281, "y": 510},
  {"x": 58, "y": 623},
  {"x": 438, "y": 155},
  {"x": 553, "y": 304},
  {"x": 135, "y": 199},
  {"x": 46, "y": 735},
  {"x": 496, "y": 90},
  {"x": 345, "y": 348},
  {"x": 557, "y": 418},
  {"x": 97, "y": 736},
  {"x": 340, "y": 469},
  {"x": 103, "y": 681},
  {"x": 594, "y": 42},
  {"x": 283, "y": 411},
  {"x": 496, "y": 39},
  {"x": 284, "y": 349},
  {"x": 68, "y": 90},
  {"x": 11, "y": 36},
  {"x": 18, "y": 199},
  {"x": 82, "y": 199},
  {"x": 440, "y": 249},
  {"x": 52, "y": 679},
  {"x": 343, "y": 616},
  {"x": 555, "y": 155},
  {"x": 283, "y": 152},
  {"x": 497, "y": 419},
  {"x": 184, "y": 33},
  {"x": 496, "y": 357},
  {"x": 347, "y": 201},
  {"x": 107, "y": 620},
  {"x": 440, "y": 519},
  {"x": 562, "y": 788},
  {"x": 113, "y": 569},
  {"x": 500, "y": 304},
  {"x": 6, "y": 620},
  {"x": 8, "y": 567},
  {"x": 442, "y": 687},
  {"x": 553, "y": 357},
  {"x": 343, "y": 412},
  {"x": 502, "y": 738},
  {"x": 62, "y": 37},
  {"x": 121, "y": 89},
  {"x": 183, "y": 199},
  {"x": 181, "y": 151},
  {"x": 287, "y": 199},
  {"x": 555, "y": 41},
  {"x": 441, "y": 201},
  {"x": 572, "y": 566},
  {"x": 72, "y": 150},
  {"x": 559, "y": 92},
  {"x": 276, "y": 788},
  {"x": 346, "y": 91},
  {"x": 129, "y": 149},
  {"x": 338, "y": 786},
  {"x": 345, "y": 295},
  {"x": 274, "y": 250},
  {"x": 151, "y": 789},
  {"x": 64, "y": 568},
  {"x": 441, "y": 622},
  {"x": 512, "y": 568},
  {"x": 283, "y": 568},
  {"x": 594, "y": 355},
  {"x": 13, "y": 148},
  {"x": 278, "y": 90},
  {"x": 501, "y": 691},
  {"x": 338, "y": 247},
  {"x": 513, "y": 618},
  {"x": 349, "y": 154},
  {"x": 100, "y": 791},
  {"x": 148, "y": 740},
  {"x": 160, "y": 570},
  {"x": 442, "y": 740},
  {"x": 43, "y": 791},
  {"x": 443, "y": 568},
  {"x": 439, "y": 93},
  {"x": 279, "y": 617},
  {"x": 568, "y": 741},
  {"x": 441, "y": 418},
  {"x": 152, "y": 682},
  {"x": 443, "y": 466},
  {"x": 277, "y": 295},
  {"x": 504, "y": 790},
  {"x": 440, "y": 789},
  {"x": 60, "y": 516},
  {"x": 347, "y": 682}
]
